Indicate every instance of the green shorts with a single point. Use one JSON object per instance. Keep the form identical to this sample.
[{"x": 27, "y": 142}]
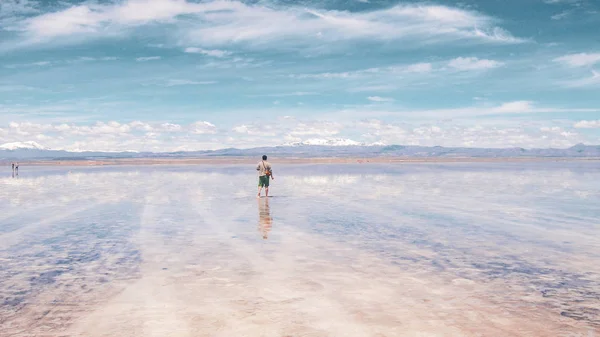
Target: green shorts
[{"x": 263, "y": 181}]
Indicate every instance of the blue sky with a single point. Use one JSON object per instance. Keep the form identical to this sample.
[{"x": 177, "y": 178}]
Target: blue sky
[{"x": 161, "y": 75}]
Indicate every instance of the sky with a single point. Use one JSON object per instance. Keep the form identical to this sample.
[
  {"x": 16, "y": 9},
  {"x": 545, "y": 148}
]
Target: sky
[{"x": 176, "y": 75}]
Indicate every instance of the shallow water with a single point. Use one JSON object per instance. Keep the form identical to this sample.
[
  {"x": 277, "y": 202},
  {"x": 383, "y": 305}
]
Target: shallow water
[{"x": 338, "y": 250}]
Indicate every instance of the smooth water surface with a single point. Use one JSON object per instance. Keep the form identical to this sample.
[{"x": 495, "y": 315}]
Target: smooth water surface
[{"x": 338, "y": 250}]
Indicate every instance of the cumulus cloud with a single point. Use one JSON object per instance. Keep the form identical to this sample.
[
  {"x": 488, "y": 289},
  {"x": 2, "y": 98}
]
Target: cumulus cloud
[
  {"x": 579, "y": 60},
  {"x": 203, "y": 135},
  {"x": 593, "y": 124},
  {"x": 109, "y": 128},
  {"x": 473, "y": 63},
  {"x": 457, "y": 135},
  {"x": 263, "y": 130},
  {"x": 116, "y": 136},
  {"x": 201, "y": 128},
  {"x": 320, "y": 128}
]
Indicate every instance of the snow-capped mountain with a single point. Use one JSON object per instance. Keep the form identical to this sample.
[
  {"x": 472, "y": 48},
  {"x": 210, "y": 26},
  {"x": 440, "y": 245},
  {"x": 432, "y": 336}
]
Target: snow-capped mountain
[
  {"x": 331, "y": 142},
  {"x": 325, "y": 142},
  {"x": 31, "y": 145}
]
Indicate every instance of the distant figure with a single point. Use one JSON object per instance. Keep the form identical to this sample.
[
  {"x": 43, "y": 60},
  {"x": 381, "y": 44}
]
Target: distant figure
[
  {"x": 17, "y": 168},
  {"x": 13, "y": 167},
  {"x": 265, "y": 221},
  {"x": 265, "y": 172}
]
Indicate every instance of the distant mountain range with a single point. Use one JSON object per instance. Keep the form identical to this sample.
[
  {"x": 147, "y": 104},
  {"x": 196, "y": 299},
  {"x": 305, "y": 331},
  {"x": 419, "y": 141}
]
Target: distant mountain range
[
  {"x": 330, "y": 142},
  {"x": 34, "y": 151}
]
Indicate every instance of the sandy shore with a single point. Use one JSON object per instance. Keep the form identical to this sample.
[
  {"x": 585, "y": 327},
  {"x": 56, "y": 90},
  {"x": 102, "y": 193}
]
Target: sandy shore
[{"x": 246, "y": 160}]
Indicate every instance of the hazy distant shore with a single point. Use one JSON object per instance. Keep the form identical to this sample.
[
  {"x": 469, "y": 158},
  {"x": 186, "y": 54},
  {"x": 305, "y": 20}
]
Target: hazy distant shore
[{"x": 246, "y": 160}]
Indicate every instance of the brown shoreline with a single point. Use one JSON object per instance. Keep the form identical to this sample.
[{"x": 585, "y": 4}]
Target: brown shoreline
[{"x": 288, "y": 160}]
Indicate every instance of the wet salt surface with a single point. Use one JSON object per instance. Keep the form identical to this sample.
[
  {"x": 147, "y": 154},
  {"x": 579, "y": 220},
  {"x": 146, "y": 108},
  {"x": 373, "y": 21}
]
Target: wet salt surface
[{"x": 339, "y": 250}]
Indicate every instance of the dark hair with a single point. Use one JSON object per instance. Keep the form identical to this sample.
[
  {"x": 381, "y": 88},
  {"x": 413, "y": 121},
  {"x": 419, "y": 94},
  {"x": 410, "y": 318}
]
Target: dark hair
[{"x": 264, "y": 157}]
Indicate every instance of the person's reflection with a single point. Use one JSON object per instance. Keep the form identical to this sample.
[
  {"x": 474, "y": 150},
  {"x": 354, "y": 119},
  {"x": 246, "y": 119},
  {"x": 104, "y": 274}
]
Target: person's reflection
[{"x": 265, "y": 221}]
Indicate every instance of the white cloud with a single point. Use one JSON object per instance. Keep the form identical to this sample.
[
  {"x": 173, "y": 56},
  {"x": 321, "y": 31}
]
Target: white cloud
[
  {"x": 457, "y": 135},
  {"x": 97, "y": 19},
  {"x": 263, "y": 130},
  {"x": 392, "y": 70},
  {"x": 584, "y": 82},
  {"x": 169, "y": 127},
  {"x": 10, "y": 8},
  {"x": 473, "y": 63},
  {"x": 224, "y": 22},
  {"x": 148, "y": 58},
  {"x": 507, "y": 108},
  {"x": 202, "y": 135},
  {"x": 16, "y": 87},
  {"x": 373, "y": 88},
  {"x": 515, "y": 107},
  {"x": 560, "y": 15},
  {"x": 241, "y": 129},
  {"x": 108, "y": 128},
  {"x": 139, "y": 125},
  {"x": 176, "y": 82},
  {"x": 321, "y": 128},
  {"x": 593, "y": 124},
  {"x": 208, "y": 52},
  {"x": 422, "y": 70},
  {"x": 419, "y": 68},
  {"x": 579, "y": 60},
  {"x": 552, "y": 2},
  {"x": 204, "y": 127},
  {"x": 288, "y": 94},
  {"x": 380, "y": 99},
  {"x": 56, "y": 62},
  {"x": 235, "y": 63},
  {"x": 512, "y": 107},
  {"x": 236, "y": 22}
]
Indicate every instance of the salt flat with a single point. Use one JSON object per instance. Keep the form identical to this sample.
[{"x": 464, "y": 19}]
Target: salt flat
[{"x": 451, "y": 249}]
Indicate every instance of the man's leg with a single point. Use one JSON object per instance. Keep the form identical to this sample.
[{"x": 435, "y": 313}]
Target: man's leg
[{"x": 267, "y": 186}]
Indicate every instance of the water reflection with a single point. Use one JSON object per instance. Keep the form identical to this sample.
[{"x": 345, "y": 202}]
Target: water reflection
[
  {"x": 265, "y": 221},
  {"x": 401, "y": 243}
]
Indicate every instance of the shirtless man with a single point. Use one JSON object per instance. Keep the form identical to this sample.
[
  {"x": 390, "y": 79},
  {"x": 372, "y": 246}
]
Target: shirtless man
[{"x": 264, "y": 174}]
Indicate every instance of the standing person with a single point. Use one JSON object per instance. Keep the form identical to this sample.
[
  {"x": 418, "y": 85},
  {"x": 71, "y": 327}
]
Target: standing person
[
  {"x": 265, "y": 172},
  {"x": 13, "y": 168},
  {"x": 17, "y": 168}
]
